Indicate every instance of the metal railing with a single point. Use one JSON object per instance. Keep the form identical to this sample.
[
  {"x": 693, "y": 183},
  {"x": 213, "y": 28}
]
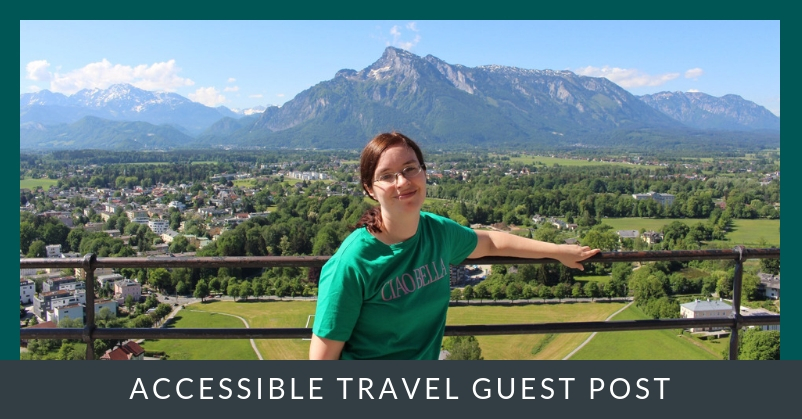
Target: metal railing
[{"x": 90, "y": 332}]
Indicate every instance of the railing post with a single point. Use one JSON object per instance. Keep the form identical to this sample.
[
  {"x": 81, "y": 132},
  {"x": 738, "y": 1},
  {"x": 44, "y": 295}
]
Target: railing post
[
  {"x": 89, "y": 326},
  {"x": 737, "y": 284}
]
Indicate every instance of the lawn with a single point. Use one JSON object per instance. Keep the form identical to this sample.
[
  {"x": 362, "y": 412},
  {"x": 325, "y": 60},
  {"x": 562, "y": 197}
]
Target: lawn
[
  {"x": 281, "y": 314},
  {"x": 272, "y": 314},
  {"x": 203, "y": 349},
  {"x": 522, "y": 346},
  {"x": 31, "y": 183},
  {"x": 551, "y": 161},
  {"x": 668, "y": 344},
  {"x": 745, "y": 232},
  {"x": 750, "y": 232}
]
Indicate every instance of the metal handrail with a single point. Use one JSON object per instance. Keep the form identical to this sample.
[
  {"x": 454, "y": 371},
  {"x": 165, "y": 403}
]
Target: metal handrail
[{"x": 90, "y": 262}]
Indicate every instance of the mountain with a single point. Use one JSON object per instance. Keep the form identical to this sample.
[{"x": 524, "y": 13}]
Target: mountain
[
  {"x": 440, "y": 103},
  {"x": 92, "y": 132},
  {"x": 120, "y": 102},
  {"x": 702, "y": 111}
]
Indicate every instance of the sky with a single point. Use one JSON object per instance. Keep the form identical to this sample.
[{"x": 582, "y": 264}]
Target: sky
[{"x": 243, "y": 64}]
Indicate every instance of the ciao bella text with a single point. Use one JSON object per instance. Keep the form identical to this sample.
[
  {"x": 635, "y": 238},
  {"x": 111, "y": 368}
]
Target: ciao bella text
[{"x": 410, "y": 282}]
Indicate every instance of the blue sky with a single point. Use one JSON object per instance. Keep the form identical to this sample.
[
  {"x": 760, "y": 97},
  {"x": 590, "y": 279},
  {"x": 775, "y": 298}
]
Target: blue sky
[{"x": 242, "y": 64}]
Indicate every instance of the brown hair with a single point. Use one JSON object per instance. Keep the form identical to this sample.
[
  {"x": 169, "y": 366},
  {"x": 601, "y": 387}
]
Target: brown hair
[{"x": 372, "y": 218}]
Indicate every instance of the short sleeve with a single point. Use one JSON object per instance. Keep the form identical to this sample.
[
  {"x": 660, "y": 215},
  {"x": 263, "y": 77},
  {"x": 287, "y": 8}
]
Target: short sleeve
[
  {"x": 459, "y": 239},
  {"x": 339, "y": 301}
]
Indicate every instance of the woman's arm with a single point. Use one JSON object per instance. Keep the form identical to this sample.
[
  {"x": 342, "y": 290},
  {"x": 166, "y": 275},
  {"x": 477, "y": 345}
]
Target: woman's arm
[
  {"x": 493, "y": 243},
  {"x": 322, "y": 348}
]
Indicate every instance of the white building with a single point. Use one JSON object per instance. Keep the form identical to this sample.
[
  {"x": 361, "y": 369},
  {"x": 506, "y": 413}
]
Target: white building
[
  {"x": 159, "y": 226},
  {"x": 715, "y": 309},
  {"x": 661, "y": 198},
  {"x": 53, "y": 250},
  {"x": 26, "y": 290}
]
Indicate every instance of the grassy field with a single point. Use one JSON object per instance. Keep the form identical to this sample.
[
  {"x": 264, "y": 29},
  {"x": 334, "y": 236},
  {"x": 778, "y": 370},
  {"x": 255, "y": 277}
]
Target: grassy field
[
  {"x": 244, "y": 183},
  {"x": 551, "y": 161},
  {"x": 746, "y": 232},
  {"x": 273, "y": 314},
  {"x": 164, "y": 163},
  {"x": 203, "y": 349},
  {"x": 277, "y": 314},
  {"x": 750, "y": 232},
  {"x": 666, "y": 344},
  {"x": 30, "y": 183},
  {"x": 522, "y": 346}
]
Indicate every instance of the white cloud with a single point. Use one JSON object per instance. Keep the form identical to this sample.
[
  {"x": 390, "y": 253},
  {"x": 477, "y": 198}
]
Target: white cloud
[
  {"x": 231, "y": 80},
  {"x": 627, "y": 78},
  {"x": 694, "y": 73},
  {"x": 398, "y": 37},
  {"x": 693, "y": 90},
  {"x": 231, "y": 89},
  {"x": 256, "y": 96},
  {"x": 278, "y": 95},
  {"x": 102, "y": 74},
  {"x": 34, "y": 88},
  {"x": 37, "y": 70},
  {"x": 208, "y": 96}
]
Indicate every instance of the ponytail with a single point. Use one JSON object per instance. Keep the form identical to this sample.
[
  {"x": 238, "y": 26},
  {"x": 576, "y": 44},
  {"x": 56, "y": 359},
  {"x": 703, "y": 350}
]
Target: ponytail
[{"x": 371, "y": 219}]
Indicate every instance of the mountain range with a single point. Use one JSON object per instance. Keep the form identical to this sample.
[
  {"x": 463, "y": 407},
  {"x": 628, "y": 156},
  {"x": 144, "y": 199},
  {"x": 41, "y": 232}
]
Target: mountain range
[{"x": 439, "y": 104}]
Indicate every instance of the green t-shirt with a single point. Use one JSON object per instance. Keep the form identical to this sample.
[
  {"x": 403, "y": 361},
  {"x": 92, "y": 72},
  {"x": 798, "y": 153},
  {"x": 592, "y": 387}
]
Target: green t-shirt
[{"x": 390, "y": 301}]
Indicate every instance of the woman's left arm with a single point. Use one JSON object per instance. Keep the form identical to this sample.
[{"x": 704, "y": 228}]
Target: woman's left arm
[{"x": 494, "y": 243}]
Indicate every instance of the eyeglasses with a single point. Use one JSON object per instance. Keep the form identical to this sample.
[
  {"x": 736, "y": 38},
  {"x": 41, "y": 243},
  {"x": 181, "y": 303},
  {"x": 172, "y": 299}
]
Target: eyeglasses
[{"x": 408, "y": 172}]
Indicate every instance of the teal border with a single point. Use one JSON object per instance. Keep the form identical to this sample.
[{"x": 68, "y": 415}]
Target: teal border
[{"x": 420, "y": 10}]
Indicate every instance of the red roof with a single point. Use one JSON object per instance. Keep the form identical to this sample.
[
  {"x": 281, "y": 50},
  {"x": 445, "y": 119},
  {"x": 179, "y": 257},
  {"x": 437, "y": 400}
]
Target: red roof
[{"x": 125, "y": 352}]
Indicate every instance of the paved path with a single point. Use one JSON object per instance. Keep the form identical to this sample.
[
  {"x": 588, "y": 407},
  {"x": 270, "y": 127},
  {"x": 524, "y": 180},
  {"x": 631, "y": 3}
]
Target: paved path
[
  {"x": 247, "y": 326},
  {"x": 594, "y": 333}
]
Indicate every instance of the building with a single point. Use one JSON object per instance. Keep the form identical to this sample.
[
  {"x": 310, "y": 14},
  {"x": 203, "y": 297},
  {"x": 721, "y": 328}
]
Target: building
[
  {"x": 126, "y": 287},
  {"x": 53, "y": 250},
  {"x": 159, "y": 226},
  {"x": 129, "y": 351},
  {"x": 661, "y": 198},
  {"x": 55, "y": 284},
  {"x": 627, "y": 234},
  {"x": 753, "y": 312},
  {"x": 72, "y": 311},
  {"x": 769, "y": 285},
  {"x": 27, "y": 289},
  {"x": 652, "y": 237},
  {"x": 708, "y": 309}
]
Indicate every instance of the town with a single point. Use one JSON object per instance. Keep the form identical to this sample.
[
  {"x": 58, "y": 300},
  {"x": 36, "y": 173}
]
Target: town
[{"x": 303, "y": 202}]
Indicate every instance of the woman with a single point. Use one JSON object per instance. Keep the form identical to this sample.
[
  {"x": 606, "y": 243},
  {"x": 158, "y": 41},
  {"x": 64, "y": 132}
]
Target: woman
[{"x": 385, "y": 292}]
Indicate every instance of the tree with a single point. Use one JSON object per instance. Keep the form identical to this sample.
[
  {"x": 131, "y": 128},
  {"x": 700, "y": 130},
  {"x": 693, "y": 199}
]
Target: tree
[
  {"x": 592, "y": 290},
  {"x": 38, "y": 249},
  {"x": 462, "y": 348},
  {"x": 757, "y": 344},
  {"x": 129, "y": 301},
  {"x": 468, "y": 293},
  {"x": 456, "y": 295},
  {"x": 201, "y": 290},
  {"x": 159, "y": 278}
]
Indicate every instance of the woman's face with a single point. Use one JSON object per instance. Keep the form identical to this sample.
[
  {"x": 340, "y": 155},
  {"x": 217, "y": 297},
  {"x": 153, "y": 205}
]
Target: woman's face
[{"x": 400, "y": 194}]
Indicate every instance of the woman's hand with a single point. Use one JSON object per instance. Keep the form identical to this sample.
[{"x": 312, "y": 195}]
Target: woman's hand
[{"x": 571, "y": 255}]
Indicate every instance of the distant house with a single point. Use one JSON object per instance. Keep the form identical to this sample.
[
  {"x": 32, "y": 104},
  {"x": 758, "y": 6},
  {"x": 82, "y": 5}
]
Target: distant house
[
  {"x": 126, "y": 287},
  {"x": 769, "y": 285},
  {"x": 26, "y": 290},
  {"x": 661, "y": 198},
  {"x": 717, "y": 309},
  {"x": 652, "y": 237},
  {"x": 627, "y": 234},
  {"x": 129, "y": 351},
  {"x": 754, "y": 312}
]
